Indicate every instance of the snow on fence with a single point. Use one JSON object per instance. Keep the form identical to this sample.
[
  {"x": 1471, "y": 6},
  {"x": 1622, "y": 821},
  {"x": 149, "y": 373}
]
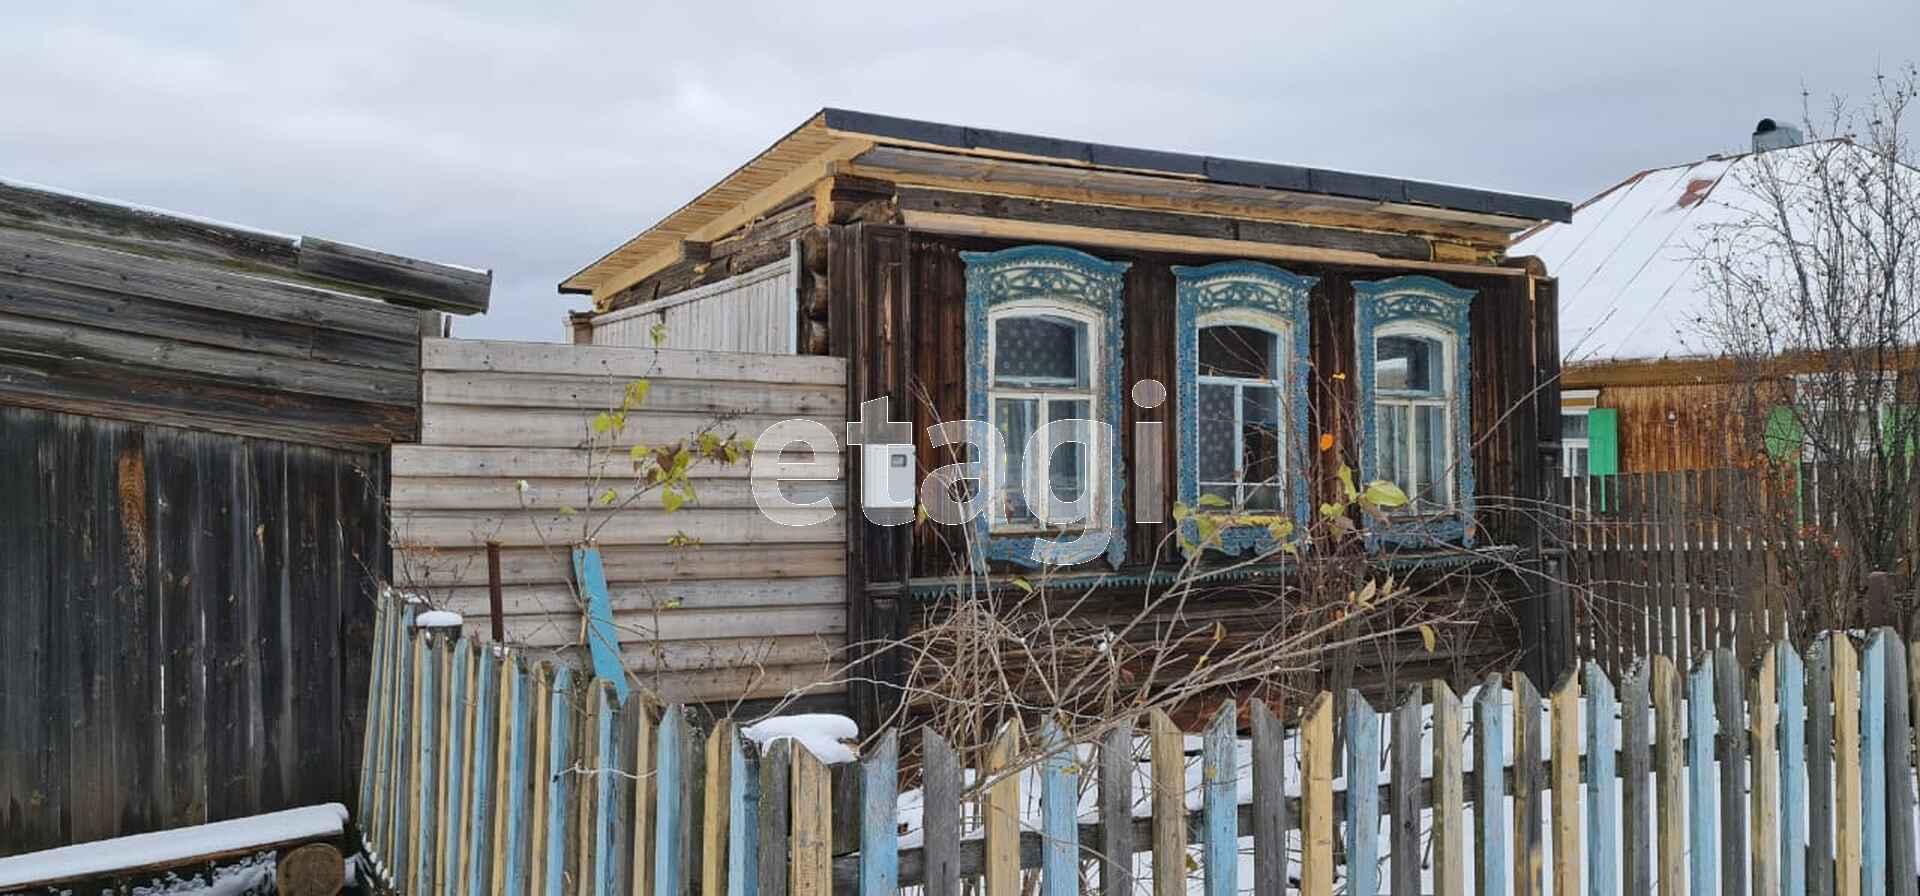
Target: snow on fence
[{"x": 1790, "y": 777}]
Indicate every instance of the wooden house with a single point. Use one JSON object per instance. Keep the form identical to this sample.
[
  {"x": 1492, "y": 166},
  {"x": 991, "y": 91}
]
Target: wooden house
[
  {"x": 1647, "y": 386},
  {"x": 194, "y": 426},
  {"x": 1292, "y": 320}
]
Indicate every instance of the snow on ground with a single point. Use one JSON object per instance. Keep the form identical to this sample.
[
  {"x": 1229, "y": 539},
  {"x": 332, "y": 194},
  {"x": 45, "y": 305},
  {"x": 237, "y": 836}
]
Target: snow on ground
[
  {"x": 249, "y": 877},
  {"x": 177, "y": 846},
  {"x": 825, "y": 734}
]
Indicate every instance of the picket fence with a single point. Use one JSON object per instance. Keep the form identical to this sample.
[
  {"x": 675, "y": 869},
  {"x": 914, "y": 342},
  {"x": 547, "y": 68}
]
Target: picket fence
[{"x": 1790, "y": 777}]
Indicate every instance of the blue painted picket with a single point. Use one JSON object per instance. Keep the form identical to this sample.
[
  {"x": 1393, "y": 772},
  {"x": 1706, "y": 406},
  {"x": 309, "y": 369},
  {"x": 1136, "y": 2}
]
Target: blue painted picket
[
  {"x": 449, "y": 784},
  {"x": 1363, "y": 799},
  {"x": 743, "y": 819},
  {"x": 1603, "y": 813},
  {"x": 879, "y": 803},
  {"x": 1703, "y": 841},
  {"x": 1873, "y": 764},
  {"x": 1790, "y": 679},
  {"x": 1220, "y": 805}
]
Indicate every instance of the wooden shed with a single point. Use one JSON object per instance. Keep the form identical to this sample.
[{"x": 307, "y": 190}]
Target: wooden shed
[
  {"x": 194, "y": 424},
  {"x": 966, "y": 273}
]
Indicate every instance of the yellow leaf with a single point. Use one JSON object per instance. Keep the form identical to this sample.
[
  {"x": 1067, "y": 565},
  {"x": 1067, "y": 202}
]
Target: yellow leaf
[
  {"x": 659, "y": 333},
  {"x": 1212, "y": 501},
  {"x": 609, "y": 496},
  {"x": 602, "y": 422},
  {"x": 1280, "y": 530},
  {"x": 637, "y": 391},
  {"x": 1381, "y": 493},
  {"x": 1219, "y": 632},
  {"x": 1365, "y": 597},
  {"x": 1346, "y": 482},
  {"x": 1022, "y": 584},
  {"x": 1428, "y": 637},
  {"x": 671, "y": 500},
  {"x": 1180, "y": 511},
  {"x": 1332, "y": 511}
]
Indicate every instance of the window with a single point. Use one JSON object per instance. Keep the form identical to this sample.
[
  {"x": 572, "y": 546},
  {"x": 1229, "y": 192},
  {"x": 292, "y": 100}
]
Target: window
[
  {"x": 1413, "y": 400},
  {"x": 1575, "y": 447},
  {"x": 1414, "y": 375},
  {"x": 1242, "y": 350},
  {"x": 1043, "y": 344},
  {"x": 1042, "y": 372}
]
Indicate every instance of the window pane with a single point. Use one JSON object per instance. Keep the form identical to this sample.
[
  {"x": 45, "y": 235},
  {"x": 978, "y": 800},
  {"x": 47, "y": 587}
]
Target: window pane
[
  {"x": 1244, "y": 352},
  {"x": 1430, "y": 449},
  {"x": 1219, "y": 456},
  {"x": 1392, "y": 452},
  {"x": 1039, "y": 350},
  {"x": 1260, "y": 433},
  {"x": 1263, "y": 498},
  {"x": 1014, "y": 418},
  {"x": 1068, "y": 467},
  {"x": 1573, "y": 426},
  {"x": 1573, "y": 460},
  {"x": 1409, "y": 364}
]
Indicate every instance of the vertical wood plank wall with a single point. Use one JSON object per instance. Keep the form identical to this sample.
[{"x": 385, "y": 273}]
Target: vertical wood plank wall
[
  {"x": 752, "y": 312},
  {"x": 713, "y": 601},
  {"x": 189, "y": 619}
]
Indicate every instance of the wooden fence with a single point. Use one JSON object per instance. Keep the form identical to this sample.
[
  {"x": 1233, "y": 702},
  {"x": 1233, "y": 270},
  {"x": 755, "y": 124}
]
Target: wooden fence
[
  {"x": 1791, "y": 776},
  {"x": 1679, "y": 562},
  {"x": 711, "y": 602}
]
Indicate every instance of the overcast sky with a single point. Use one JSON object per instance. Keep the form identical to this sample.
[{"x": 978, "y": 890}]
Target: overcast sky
[{"x": 532, "y": 142}]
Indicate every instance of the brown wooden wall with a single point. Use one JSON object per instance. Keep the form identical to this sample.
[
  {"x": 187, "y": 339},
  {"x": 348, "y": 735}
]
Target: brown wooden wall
[
  {"x": 899, "y": 311},
  {"x": 187, "y": 625}
]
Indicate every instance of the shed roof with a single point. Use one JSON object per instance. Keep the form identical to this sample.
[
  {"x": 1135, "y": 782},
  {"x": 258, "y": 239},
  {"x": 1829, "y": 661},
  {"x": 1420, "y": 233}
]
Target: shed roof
[
  {"x": 1629, "y": 264},
  {"x": 836, "y": 135}
]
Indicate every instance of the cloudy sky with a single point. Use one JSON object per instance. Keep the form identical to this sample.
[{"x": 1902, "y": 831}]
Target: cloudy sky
[{"x": 532, "y": 142}]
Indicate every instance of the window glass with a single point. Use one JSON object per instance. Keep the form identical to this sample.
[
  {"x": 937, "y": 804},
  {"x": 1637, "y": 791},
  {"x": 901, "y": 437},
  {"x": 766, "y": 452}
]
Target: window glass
[
  {"x": 1241, "y": 352},
  {"x": 1409, "y": 364},
  {"x": 1430, "y": 455},
  {"x": 1260, "y": 433},
  {"x": 1573, "y": 426},
  {"x": 1039, "y": 351},
  {"x": 1219, "y": 457},
  {"x": 1068, "y": 471}
]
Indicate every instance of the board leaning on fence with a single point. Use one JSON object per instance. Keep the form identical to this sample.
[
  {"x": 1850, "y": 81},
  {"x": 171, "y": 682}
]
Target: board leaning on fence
[{"x": 487, "y": 775}]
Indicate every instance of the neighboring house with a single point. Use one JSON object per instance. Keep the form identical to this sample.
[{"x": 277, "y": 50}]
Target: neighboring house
[
  {"x": 1017, "y": 279},
  {"x": 1645, "y": 387}
]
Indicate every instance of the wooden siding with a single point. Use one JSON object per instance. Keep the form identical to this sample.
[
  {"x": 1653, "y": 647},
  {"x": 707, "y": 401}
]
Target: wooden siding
[
  {"x": 188, "y": 621},
  {"x": 752, "y": 610},
  {"x": 757, "y": 311},
  {"x": 127, "y": 332},
  {"x": 898, "y": 302}
]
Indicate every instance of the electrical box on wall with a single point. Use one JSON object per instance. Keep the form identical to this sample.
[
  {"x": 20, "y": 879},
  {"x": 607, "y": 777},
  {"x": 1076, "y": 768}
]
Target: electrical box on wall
[{"x": 886, "y": 477}]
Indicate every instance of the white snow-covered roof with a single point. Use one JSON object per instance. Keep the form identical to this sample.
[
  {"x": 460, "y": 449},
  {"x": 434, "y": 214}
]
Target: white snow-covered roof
[
  {"x": 160, "y": 849},
  {"x": 1628, "y": 263}
]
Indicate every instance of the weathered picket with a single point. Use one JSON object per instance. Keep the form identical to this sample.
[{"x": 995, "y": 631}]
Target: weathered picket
[{"x": 487, "y": 774}]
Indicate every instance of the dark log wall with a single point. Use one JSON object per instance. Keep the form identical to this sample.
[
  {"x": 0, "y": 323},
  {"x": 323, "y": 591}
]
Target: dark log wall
[
  {"x": 899, "y": 312},
  {"x": 187, "y": 624}
]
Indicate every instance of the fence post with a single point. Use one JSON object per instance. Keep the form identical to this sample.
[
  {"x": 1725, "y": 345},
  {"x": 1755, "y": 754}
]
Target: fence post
[
  {"x": 1873, "y": 763},
  {"x": 1449, "y": 813},
  {"x": 1848, "y": 810},
  {"x": 1363, "y": 798},
  {"x": 1316, "y": 799},
  {"x": 940, "y": 814},
  {"x": 1820, "y": 778},
  {"x": 1670, "y": 771},
  {"x": 716, "y": 786},
  {"x": 879, "y": 831},
  {"x": 1565, "y": 721},
  {"x": 1489, "y": 802},
  {"x": 1000, "y": 812},
  {"x": 1731, "y": 712},
  {"x": 743, "y": 818},
  {"x": 1404, "y": 794},
  {"x": 1269, "y": 801},
  {"x": 1700, "y": 782},
  {"x": 1763, "y": 723},
  {"x": 1169, "y": 806},
  {"x": 1528, "y": 862},
  {"x": 812, "y": 845},
  {"x": 486, "y": 794},
  {"x": 670, "y": 822},
  {"x": 1219, "y": 780},
  {"x": 1603, "y": 816},
  {"x": 1789, "y": 677},
  {"x": 559, "y": 780},
  {"x": 1636, "y": 803}
]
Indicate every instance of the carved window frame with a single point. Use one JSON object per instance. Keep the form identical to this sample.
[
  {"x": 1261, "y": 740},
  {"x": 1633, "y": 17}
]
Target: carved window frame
[
  {"x": 1037, "y": 276},
  {"x": 1270, "y": 298},
  {"x": 1441, "y": 307}
]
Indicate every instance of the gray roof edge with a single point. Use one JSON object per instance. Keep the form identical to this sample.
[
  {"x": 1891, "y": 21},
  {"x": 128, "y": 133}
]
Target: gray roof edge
[{"x": 1228, "y": 171}]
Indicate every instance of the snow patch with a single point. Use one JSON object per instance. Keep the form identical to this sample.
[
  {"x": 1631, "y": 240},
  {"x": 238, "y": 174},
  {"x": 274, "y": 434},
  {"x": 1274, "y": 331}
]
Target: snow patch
[
  {"x": 438, "y": 619},
  {"x": 823, "y": 734},
  {"x": 177, "y": 846}
]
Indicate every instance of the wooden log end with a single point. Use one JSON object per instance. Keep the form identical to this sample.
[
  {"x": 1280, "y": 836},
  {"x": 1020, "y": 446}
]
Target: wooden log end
[{"x": 316, "y": 869}]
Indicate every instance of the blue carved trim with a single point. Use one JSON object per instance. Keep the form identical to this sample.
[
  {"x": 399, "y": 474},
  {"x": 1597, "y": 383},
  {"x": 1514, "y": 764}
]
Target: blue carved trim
[
  {"x": 1418, "y": 297},
  {"x": 1065, "y": 275},
  {"x": 1281, "y": 295}
]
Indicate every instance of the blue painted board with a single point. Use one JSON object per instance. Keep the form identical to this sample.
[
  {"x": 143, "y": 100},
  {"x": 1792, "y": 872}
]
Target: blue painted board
[
  {"x": 1059, "y": 810},
  {"x": 1219, "y": 801},
  {"x": 399, "y": 746},
  {"x": 370, "y": 765},
  {"x": 1873, "y": 764},
  {"x": 452, "y": 817},
  {"x": 743, "y": 817},
  {"x": 486, "y": 721},
  {"x": 607, "y": 807},
  {"x": 519, "y": 772},
  {"x": 1490, "y": 791},
  {"x": 559, "y": 781},
  {"x": 1790, "y": 675},
  {"x": 1363, "y": 801},
  {"x": 603, "y": 642},
  {"x": 1703, "y": 840},
  {"x": 429, "y": 729},
  {"x": 1603, "y": 814},
  {"x": 670, "y": 808},
  {"x": 879, "y": 824}
]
